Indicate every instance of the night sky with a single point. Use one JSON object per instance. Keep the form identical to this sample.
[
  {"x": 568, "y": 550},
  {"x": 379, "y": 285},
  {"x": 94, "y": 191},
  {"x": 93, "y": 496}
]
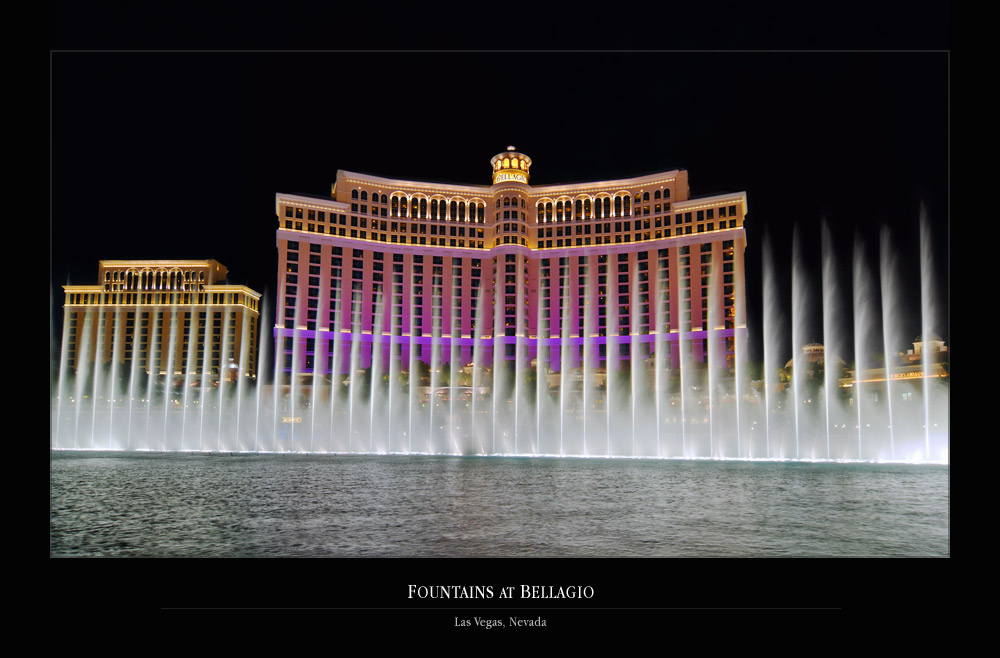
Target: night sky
[{"x": 174, "y": 155}]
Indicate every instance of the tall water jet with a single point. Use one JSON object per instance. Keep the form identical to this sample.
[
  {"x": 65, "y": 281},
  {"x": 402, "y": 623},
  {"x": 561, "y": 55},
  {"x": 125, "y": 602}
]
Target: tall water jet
[
  {"x": 435, "y": 375},
  {"x": 498, "y": 346},
  {"x": 82, "y": 368},
  {"x": 262, "y": 355},
  {"x": 413, "y": 377},
  {"x": 132, "y": 381},
  {"x": 117, "y": 335},
  {"x": 660, "y": 346},
  {"x": 168, "y": 371},
  {"x": 543, "y": 357},
  {"x": 95, "y": 390},
  {"x": 740, "y": 336},
  {"x": 715, "y": 356},
  {"x": 222, "y": 375},
  {"x": 243, "y": 362},
  {"x": 191, "y": 361},
  {"x": 612, "y": 367},
  {"x": 319, "y": 360},
  {"x": 832, "y": 345},
  {"x": 863, "y": 327},
  {"x": 890, "y": 330},
  {"x": 565, "y": 394},
  {"x": 799, "y": 313},
  {"x": 477, "y": 365},
  {"x": 589, "y": 374},
  {"x": 205, "y": 383},
  {"x": 772, "y": 344},
  {"x": 152, "y": 368},
  {"x": 395, "y": 367},
  {"x": 739, "y": 366},
  {"x": 520, "y": 322},
  {"x": 634, "y": 362},
  {"x": 454, "y": 369},
  {"x": 375, "y": 371},
  {"x": 276, "y": 379},
  {"x": 60, "y": 377}
]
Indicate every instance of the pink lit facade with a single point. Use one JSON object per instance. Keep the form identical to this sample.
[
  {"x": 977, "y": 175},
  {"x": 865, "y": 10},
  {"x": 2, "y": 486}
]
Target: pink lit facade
[{"x": 431, "y": 271}]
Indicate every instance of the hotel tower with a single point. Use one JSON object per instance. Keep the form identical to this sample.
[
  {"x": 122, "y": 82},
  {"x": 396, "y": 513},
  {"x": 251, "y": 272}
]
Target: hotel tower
[
  {"x": 425, "y": 271},
  {"x": 162, "y": 317}
]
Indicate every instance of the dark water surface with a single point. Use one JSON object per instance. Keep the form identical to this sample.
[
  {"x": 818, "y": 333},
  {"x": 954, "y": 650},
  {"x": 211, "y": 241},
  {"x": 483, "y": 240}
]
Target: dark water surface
[{"x": 127, "y": 504}]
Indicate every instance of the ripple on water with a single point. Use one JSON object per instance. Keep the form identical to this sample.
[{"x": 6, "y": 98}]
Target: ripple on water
[{"x": 123, "y": 504}]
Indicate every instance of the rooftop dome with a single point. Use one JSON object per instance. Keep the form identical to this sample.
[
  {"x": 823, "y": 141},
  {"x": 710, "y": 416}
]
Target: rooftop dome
[{"x": 510, "y": 166}]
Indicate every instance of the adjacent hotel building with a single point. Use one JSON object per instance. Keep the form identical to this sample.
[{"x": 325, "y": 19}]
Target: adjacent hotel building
[
  {"x": 617, "y": 267},
  {"x": 162, "y": 317}
]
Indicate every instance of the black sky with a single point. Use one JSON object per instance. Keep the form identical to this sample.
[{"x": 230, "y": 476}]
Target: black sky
[{"x": 180, "y": 154}]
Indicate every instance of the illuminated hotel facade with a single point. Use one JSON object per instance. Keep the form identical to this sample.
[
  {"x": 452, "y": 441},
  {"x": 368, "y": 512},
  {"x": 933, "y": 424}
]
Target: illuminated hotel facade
[
  {"x": 435, "y": 271},
  {"x": 162, "y": 317}
]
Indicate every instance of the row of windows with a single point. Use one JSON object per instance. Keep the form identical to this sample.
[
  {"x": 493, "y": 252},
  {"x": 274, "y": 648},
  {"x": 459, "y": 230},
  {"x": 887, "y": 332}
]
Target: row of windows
[
  {"x": 439, "y": 207},
  {"x": 393, "y": 238},
  {"x": 542, "y": 242},
  {"x": 622, "y": 352},
  {"x": 545, "y": 211},
  {"x": 185, "y": 298},
  {"x": 337, "y": 253},
  {"x": 363, "y": 195},
  {"x": 148, "y": 279},
  {"x": 389, "y": 229}
]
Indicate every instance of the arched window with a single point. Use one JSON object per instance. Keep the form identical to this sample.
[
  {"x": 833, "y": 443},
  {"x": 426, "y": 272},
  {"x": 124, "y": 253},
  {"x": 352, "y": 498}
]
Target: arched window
[
  {"x": 434, "y": 209},
  {"x": 586, "y": 209},
  {"x": 423, "y": 207},
  {"x": 666, "y": 193},
  {"x": 548, "y": 211},
  {"x": 628, "y": 206},
  {"x": 461, "y": 210},
  {"x": 645, "y": 196},
  {"x": 618, "y": 206},
  {"x": 579, "y": 208},
  {"x": 607, "y": 207},
  {"x": 656, "y": 194},
  {"x": 395, "y": 206},
  {"x": 354, "y": 194},
  {"x": 364, "y": 195},
  {"x": 454, "y": 209},
  {"x": 383, "y": 198}
]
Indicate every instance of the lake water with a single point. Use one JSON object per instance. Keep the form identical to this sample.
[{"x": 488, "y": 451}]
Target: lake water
[{"x": 148, "y": 504}]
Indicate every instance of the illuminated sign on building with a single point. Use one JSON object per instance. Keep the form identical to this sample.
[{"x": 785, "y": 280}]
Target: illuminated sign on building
[{"x": 508, "y": 176}]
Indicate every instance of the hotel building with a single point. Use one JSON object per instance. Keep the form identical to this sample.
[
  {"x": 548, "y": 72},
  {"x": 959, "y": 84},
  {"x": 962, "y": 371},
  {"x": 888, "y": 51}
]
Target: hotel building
[
  {"x": 165, "y": 317},
  {"x": 531, "y": 271}
]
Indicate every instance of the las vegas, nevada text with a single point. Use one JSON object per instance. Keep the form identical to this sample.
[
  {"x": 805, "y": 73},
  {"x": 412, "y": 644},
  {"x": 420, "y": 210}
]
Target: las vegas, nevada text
[{"x": 509, "y": 592}]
